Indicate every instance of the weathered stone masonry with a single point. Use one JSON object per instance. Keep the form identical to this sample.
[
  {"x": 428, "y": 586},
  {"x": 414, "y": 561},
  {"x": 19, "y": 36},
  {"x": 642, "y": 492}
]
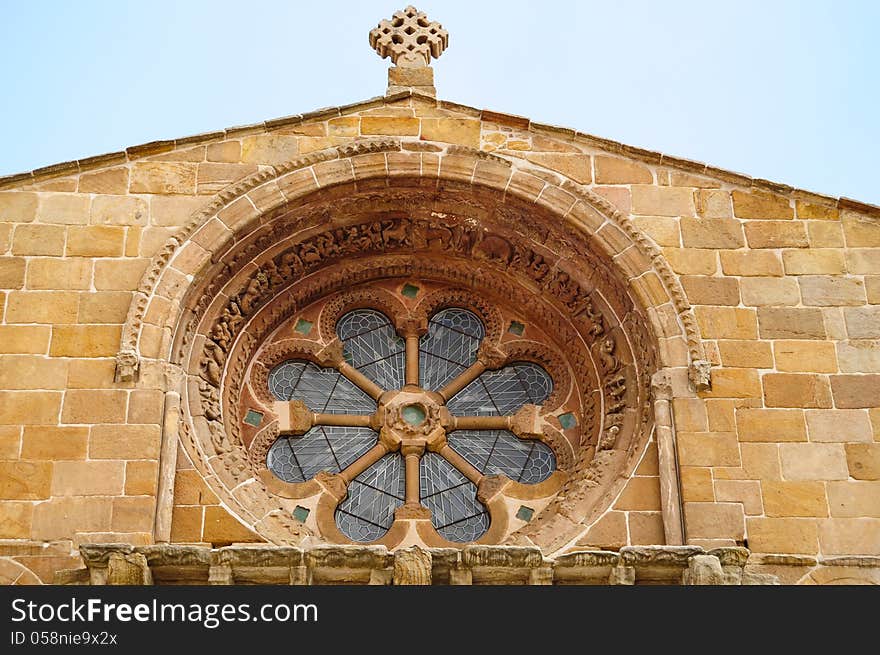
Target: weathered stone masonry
[{"x": 761, "y": 307}]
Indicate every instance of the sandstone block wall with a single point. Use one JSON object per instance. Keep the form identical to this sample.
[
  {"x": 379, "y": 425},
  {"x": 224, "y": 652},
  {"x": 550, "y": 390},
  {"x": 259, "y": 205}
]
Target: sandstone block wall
[{"x": 782, "y": 454}]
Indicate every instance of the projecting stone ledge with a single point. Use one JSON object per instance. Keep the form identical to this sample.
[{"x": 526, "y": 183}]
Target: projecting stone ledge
[{"x": 261, "y": 564}]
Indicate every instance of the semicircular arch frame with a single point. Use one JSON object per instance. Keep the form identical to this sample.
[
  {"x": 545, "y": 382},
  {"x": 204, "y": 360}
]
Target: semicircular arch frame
[{"x": 157, "y": 309}]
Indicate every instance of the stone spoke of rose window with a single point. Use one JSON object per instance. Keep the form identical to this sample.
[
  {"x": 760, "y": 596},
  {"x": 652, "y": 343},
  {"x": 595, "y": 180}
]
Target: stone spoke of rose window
[
  {"x": 503, "y": 392},
  {"x": 449, "y": 347},
  {"x": 323, "y": 390},
  {"x": 456, "y": 513},
  {"x": 368, "y": 510},
  {"x": 372, "y": 346}
]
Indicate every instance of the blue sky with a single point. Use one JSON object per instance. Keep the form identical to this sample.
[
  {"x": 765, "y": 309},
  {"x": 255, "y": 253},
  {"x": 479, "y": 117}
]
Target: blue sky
[{"x": 788, "y": 91}]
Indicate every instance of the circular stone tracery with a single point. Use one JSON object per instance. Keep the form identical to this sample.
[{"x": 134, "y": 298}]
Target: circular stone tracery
[
  {"x": 470, "y": 435},
  {"x": 542, "y": 295}
]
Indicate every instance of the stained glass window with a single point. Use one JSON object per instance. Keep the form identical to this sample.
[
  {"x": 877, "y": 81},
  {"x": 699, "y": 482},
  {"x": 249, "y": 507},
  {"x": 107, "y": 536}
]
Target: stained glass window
[
  {"x": 373, "y": 347},
  {"x": 449, "y": 347},
  {"x": 446, "y": 352},
  {"x": 322, "y": 389},
  {"x": 368, "y": 510}
]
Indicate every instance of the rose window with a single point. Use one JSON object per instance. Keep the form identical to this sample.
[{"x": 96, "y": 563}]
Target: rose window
[{"x": 409, "y": 420}]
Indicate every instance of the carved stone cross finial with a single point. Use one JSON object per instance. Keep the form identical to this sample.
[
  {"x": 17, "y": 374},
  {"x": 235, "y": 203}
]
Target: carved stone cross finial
[{"x": 409, "y": 38}]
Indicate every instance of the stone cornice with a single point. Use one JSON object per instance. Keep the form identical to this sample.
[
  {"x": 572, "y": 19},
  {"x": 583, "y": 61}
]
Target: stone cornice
[{"x": 167, "y": 564}]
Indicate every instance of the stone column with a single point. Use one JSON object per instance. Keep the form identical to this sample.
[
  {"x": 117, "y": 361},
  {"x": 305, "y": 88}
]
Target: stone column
[
  {"x": 167, "y": 468},
  {"x": 128, "y": 569},
  {"x": 667, "y": 455},
  {"x": 220, "y": 574},
  {"x": 703, "y": 570}
]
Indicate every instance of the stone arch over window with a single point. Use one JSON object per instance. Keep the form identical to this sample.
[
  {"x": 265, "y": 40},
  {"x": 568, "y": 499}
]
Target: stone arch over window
[{"x": 259, "y": 278}]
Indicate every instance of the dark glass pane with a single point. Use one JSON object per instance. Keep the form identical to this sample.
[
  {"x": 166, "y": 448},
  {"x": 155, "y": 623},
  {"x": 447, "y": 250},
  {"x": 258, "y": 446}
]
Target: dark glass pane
[
  {"x": 499, "y": 451},
  {"x": 452, "y": 498},
  {"x": 449, "y": 347},
  {"x": 502, "y": 392},
  {"x": 372, "y": 346},
  {"x": 324, "y": 390},
  {"x": 282, "y": 463},
  {"x": 323, "y": 448},
  {"x": 368, "y": 510}
]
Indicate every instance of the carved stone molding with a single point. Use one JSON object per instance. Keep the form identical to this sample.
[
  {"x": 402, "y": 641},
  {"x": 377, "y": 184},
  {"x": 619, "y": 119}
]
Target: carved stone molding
[
  {"x": 159, "y": 266},
  {"x": 168, "y": 564},
  {"x": 467, "y": 241},
  {"x": 337, "y": 258}
]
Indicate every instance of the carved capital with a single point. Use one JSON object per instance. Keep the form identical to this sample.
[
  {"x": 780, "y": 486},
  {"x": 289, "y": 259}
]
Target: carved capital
[
  {"x": 127, "y": 365},
  {"x": 436, "y": 441},
  {"x": 294, "y": 417},
  {"x": 490, "y": 486},
  {"x": 490, "y": 356},
  {"x": 330, "y": 355},
  {"x": 412, "y": 447},
  {"x": 699, "y": 373},
  {"x": 412, "y": 326},
  {"x": 416, "y": 512},
  {"x": 661, "y": 385},
  {"x": 174, "y": 376},
  {"x": 527, "y": 422},
  {"x": 389, "y": 438},
  {"x": 333, "y": 484}
]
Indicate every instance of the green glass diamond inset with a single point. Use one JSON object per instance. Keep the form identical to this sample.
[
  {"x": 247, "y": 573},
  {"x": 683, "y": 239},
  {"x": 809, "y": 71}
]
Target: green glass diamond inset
[
  {"x": 410, "y": 290},
  {"x": 516, "y": 328},
  {"x": 253, "y": 417},
  {"x": 567, "y": 421},
  {"x": 525, "y": 513},
  {"x": 300, "y": 513},
  {"x": 303, "y": 326}
]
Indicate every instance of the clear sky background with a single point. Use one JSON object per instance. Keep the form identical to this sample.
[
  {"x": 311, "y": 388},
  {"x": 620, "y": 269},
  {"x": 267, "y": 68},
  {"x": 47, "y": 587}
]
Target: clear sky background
[{"x": 784, "y": 90}]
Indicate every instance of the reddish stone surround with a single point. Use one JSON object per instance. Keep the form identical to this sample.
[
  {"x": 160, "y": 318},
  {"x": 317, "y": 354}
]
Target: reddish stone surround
[{"x": 470, "y": 255}]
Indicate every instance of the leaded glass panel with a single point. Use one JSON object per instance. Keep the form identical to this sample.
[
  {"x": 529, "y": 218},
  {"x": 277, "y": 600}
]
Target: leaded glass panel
[
  {"x": 323, "y": 390},
  {"x": 455, "y": 511},
  {"x": 323, "y": 448},
  {"x": 368, "y": 510},
  {"x": 502, "y": 392},
  {"x": 499, "y": 451},
  {"x": 371, "y": 345},
  {"x": 449, "y": 347}
]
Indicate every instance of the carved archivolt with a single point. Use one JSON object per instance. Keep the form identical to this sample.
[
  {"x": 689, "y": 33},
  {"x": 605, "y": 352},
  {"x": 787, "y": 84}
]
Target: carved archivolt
[
  {"x": 266, "y": 185},
  {"x": 311, "y": 253},
  {"x": 319, "y": 269}
]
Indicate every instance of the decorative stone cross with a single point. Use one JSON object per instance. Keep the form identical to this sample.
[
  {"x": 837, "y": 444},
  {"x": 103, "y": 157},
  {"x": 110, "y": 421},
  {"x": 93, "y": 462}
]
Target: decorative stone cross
[
  {"x": 409, "y": 38},
  {"x": 411, "y": 41}
]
